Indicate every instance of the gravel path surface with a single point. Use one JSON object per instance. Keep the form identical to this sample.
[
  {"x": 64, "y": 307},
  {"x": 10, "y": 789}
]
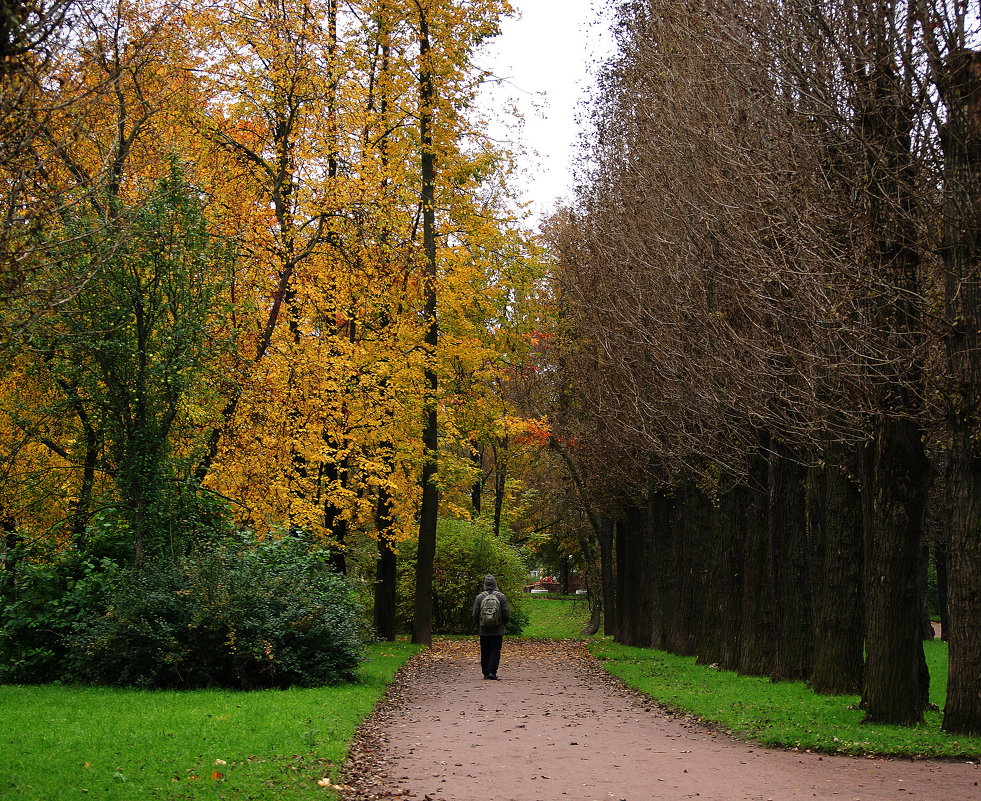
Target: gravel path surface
[{"x": 557, "y": 727}]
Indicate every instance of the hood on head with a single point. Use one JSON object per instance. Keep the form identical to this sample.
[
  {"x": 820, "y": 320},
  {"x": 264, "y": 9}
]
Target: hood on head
[{"x": 490, "y": 583}]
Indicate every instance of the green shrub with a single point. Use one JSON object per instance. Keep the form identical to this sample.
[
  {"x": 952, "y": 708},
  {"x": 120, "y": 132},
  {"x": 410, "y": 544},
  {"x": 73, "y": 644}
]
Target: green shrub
[
  {"x": 466, "y": 551},
  {"x": 43, "y": 597},
  {"x": 242, "y": 613},
  {"x": 47, "y": 593}
]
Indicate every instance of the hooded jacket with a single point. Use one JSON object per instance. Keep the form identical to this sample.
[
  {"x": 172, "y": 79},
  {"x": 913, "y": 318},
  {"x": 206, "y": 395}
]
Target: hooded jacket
[{"x": 490, "y": 585}]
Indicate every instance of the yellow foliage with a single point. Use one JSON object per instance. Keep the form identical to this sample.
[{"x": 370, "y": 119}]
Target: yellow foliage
[{"x": 298, "y": 120}]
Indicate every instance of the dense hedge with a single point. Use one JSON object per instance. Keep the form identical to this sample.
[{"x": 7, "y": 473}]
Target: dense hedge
[
  {"x": 237, "y": 613},
  {"x": 466, "y": 551}
]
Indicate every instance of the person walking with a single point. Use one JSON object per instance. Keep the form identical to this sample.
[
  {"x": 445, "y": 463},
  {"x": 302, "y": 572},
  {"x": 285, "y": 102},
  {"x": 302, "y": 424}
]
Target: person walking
[{"x": 491, "y": 612}]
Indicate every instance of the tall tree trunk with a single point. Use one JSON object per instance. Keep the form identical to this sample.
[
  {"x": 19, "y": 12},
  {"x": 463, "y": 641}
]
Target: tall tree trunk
[
  {"x": 734, "y": 506},
  {"x": 386, "y": 575},
  {"x": 476, "y": 489},
  {"x": 635, "y": 591},
  {"x": 895, "y": 474},
  {"x": 894, "y": 498},
  {"x": 592, "y": 572},
  {"x": 500, "y": 483},
  {"x": 789, "y": 558},
  {"x": 756, "y": 618},
  {"x": 710, "y": 625},
  {"x": 422, "y": 623},
  {"x": 385, "y": 571},
  {"x": 657, "y": 568},
  {"x": 692, "y": 516},
  {"x": 605, "y": 534},
  {"x": 839, "y": 633},
  {"x": 960, "y": 85}
]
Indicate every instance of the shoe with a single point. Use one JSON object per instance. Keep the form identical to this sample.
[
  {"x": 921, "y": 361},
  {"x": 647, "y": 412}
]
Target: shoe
[
  {"x": 493, "y": 676},
  {"x": 487, "y": 677}
]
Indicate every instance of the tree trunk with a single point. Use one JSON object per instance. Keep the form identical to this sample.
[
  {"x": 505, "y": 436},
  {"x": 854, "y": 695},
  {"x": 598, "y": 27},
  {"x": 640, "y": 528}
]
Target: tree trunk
[
  {"x": 895, "y": 472},
  {"x": 789, "y": 559},
  {"x": 477, "y": 487},
  {"x": 658, "y": 567},
  {"x": 500, "y": 483},
  {"x": 422, "y": 622},
  {"x": 734, "y": 506},
  {"x": 605, "y": 535},
  {"x": 894, "y": 491},
  {"x": 839, "y": 633},
  {"x": 690, "y": 520},
  {"x": 595, "y": 619},
  {"x": 960, "y": 85},
  {"x": 962, "y": 712},
  {"x": 635, "y": 588},
  {"x": 756, "y": 618},
  {"x": 714, "y": 600},
  {"x": 138, "y": 481},
  {"x": 385, "y": 572},
  {"x": 592, "y": 573}
]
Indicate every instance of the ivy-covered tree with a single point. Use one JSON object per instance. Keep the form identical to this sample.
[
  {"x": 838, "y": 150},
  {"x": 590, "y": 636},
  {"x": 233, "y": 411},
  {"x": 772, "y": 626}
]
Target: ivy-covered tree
[{"x": 128, "y": 356}]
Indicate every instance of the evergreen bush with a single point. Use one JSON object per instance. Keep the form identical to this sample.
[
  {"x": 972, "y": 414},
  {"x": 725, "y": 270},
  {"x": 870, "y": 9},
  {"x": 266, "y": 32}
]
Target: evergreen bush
[
  {"x": 243, "y": 613},
  {"x": 232, "y": 612}
]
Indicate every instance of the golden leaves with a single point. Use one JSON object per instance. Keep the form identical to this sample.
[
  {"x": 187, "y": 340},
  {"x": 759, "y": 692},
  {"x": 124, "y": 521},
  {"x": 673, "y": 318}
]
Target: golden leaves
[{"x": 301, "y": 131}]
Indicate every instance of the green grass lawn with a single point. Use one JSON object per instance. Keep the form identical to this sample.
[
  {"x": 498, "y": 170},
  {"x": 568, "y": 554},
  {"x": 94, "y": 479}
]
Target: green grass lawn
[
  {"x": 555, "y": 618},
  {"x": 71, "y": 743}
]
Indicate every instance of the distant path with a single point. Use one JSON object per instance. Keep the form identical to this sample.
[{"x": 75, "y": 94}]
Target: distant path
[{"x": 557, "y": 728}]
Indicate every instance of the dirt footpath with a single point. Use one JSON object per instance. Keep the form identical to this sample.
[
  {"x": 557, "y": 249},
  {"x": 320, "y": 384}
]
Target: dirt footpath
[{"x": 558, "y": 728}]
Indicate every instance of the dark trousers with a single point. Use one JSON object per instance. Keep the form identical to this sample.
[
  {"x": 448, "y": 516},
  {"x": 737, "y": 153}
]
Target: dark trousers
[{"x": 490, "y": 653}]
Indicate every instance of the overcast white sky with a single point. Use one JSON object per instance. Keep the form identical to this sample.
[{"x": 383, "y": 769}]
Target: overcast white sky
[{"x": 546, "y": 56}]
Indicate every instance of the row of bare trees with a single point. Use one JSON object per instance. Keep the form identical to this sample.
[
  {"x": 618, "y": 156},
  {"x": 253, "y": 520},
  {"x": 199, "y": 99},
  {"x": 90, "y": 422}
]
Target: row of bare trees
[{"x": 771, "y": 296}]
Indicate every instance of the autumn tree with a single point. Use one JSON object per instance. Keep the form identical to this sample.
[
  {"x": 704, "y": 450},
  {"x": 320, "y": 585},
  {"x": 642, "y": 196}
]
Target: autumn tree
[
  {"x": 335, "y": 184},
  {"x": 87, "y": 189}
]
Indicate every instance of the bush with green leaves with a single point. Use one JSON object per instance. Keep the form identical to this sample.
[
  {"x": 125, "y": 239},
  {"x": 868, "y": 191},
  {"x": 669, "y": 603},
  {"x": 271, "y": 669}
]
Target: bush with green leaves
[
  {"x": 466, "y": 551},
  {"x": 49, "y": 591},
  {"x": 242, "y": 613},
  {"x": 43, "y": 598}
]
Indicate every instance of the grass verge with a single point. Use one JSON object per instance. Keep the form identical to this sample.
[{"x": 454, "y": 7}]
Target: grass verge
[
  {"x": 784, "y": 714},
  {"x": 74, "y": 743}
]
